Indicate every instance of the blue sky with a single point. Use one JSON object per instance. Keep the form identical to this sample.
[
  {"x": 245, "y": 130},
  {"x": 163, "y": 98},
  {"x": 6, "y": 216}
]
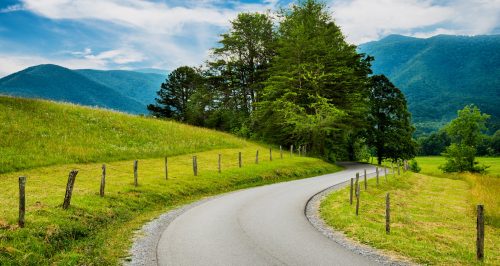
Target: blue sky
[{"x": 165, "y": 34}]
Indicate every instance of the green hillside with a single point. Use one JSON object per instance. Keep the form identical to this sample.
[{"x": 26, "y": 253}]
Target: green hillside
[
  {"x": 99, "y": 231},
  {"x": 126, "y": 91},
  {"x": 40, "y": 133},
  {"x": 61, "y": 84},
  {"x": 141, "y": 87},
  {"x": 442, "y": 74}
]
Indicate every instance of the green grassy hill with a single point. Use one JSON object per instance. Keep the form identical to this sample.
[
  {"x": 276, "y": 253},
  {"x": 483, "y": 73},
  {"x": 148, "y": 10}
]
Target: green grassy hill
[
  {"x": 43, "y": 141},
  {"x": 41, "y": 133},
  {"x": 441, "y": 74}
]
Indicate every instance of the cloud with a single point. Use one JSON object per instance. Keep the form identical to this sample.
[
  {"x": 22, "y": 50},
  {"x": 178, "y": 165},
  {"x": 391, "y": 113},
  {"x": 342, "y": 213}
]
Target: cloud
[
  {"x": 368, "y": 20},
  {"x": 12, "y": 8},
  {"x": 154, "y": 33}
]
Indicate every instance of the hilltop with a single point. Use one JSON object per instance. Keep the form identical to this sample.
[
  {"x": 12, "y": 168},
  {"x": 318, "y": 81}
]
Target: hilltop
[{"x": 441, "y": 74}]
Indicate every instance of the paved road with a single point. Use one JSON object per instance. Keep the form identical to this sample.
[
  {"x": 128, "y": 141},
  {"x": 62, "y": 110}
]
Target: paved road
[{"x": 259, "y": 226}]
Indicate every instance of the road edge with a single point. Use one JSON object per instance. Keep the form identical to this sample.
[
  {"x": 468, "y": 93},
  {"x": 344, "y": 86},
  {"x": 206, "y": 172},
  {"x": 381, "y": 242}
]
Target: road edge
[{"x": 311, "y": 211}]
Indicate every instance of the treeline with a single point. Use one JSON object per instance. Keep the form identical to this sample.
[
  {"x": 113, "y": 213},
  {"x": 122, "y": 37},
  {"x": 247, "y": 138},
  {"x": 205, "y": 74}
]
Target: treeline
[
  {"x": 290, "y": 78},
  {"x": 435, "y": 143}
]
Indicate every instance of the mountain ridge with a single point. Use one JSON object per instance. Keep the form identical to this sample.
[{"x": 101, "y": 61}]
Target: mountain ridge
[
  {"x": 126, "y": 91},
  {"x": 441, "y": 74}
]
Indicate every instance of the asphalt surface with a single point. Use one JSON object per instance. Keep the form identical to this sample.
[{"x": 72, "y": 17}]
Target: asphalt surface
[{"x": 259, "y": 226}]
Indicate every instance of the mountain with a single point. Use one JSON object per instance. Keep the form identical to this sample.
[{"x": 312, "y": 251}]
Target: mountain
[
  {"x": 142, "y": 87},
  {"x": 441, "y": 74},
  {"x": 158, "y": 71},
  {"x": 126, "y": 91}
]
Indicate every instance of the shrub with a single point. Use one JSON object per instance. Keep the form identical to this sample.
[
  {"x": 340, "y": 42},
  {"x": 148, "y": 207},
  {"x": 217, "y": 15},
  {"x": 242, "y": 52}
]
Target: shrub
[{"x": 414, "y": 167}]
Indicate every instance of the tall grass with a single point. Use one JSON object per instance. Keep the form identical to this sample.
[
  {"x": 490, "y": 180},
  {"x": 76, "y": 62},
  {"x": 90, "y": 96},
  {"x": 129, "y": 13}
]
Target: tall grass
[{"x": 38, "y": 133}]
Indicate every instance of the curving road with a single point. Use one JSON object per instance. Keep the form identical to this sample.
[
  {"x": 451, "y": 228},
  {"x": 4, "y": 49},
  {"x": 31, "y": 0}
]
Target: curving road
[{"x": 259, "y": 226}]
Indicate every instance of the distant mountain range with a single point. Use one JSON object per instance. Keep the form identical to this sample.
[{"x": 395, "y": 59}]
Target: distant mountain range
[
  {"x": 127, "y": 91},
  {"x": 441, "y": 74}
]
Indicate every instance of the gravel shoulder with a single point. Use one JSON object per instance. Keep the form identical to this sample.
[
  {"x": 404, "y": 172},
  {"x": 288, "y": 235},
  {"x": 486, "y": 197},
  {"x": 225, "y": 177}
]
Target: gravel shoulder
[{"x": 313, "y": 215}]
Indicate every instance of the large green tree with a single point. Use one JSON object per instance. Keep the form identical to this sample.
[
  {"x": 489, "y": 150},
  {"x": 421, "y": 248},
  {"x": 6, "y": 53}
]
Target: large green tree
[
  {"x": 465, "y": 132},
  {"x": 175, "y": 93},
  {"x": 390, "y": 130},
  {"x": 316, "y": 90},
  {"x": 239, "y": 66}
]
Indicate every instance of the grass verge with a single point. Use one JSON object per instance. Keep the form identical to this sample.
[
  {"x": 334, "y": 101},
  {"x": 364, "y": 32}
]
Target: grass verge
[
  {"x": 433, "y": 219},
  {"x": 97, "y": 231}
]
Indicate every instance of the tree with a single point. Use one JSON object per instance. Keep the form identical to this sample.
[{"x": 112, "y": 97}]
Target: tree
[
  {"x": 240, "y": 66},
  {"x": 465, "y": 133},
  {"x": 434, "y": 144},
  {"x": 390, "y": 131},
  {"x": 316, "y": 86},
  {"x": 174, "y": 95}
]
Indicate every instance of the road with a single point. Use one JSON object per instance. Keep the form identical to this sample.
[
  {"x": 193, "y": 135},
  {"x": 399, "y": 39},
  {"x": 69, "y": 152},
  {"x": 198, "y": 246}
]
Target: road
[{"x": 259, "y": 226}]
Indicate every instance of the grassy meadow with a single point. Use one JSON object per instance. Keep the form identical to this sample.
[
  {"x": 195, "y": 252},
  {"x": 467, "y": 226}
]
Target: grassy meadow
[
  {"x": 95, "y": 230},
  {"x": 433, "y": 215},
  {"x": 38, "y": 133}
]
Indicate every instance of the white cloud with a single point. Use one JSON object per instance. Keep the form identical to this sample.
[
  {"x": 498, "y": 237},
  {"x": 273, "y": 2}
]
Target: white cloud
[
  {"x": 367, "y": 20},
  {"x": 117, "y": 56},
  {"x": 160, "y": 34},
  {"x": 148, "y": 16},
  {"x": 12, "y": 8}
]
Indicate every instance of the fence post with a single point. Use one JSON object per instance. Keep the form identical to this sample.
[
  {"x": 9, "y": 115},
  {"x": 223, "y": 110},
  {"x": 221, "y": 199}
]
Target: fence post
[
  {"x": 350, "y": 194},
  {"x": 219, "y": 162},
  {"x": 166, "y": 168},
  {"x": 300, "y": 148},
  {"x": 239, "y": 159},
  {"x": 136, "y": 183},
  {"x": 291, "y": 150},
  {"x": 270, "y": 154},
  {"x": 103, "y": 181},
  {"x": 376, "y": 170},
  {"x": 385, "y": 173},
  {"x": 480, "y": 232},
  {"x": 69, "y": 188},
  {"x": 257, "y": 157},
  {"x": 357, "y": 199},
  {"x": 22, "y": 200},
  {"x": 366, "y": 184},
  {"x": 195, "y": 166},
  {"x": 281, "y": 152},
  {"x": 387, "y": 214}
]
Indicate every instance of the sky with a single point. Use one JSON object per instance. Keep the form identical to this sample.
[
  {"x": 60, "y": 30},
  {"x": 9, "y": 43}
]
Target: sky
[{"x": 166, "y": 34}]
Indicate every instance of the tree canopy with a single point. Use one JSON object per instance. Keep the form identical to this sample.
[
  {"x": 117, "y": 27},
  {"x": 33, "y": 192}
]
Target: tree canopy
[
  {"x": 390, "y": 130},
  {"x": 288, "y": 79}
]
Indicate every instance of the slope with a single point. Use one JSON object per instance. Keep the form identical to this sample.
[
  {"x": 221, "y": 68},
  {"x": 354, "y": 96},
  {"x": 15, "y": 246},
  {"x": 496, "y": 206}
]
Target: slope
[
  {"x": 141, "y": 87},
  {"x": 61, "y": 84},
  {"x": 440, "y": 75},
  {"x": 40, "y": 133}
]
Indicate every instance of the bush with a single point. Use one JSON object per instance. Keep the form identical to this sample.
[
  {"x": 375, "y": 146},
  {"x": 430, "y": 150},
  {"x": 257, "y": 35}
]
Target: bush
[
  {"x": 461, "y": 158},
  {"x": 414, "y": 167}
]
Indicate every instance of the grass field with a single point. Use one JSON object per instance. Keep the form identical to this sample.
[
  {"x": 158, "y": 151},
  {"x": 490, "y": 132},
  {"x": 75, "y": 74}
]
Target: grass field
[
  {"x": 38, "y": 133},
  {"x": 433, "y": 217},
  {"x": 95, "y": 230}
]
